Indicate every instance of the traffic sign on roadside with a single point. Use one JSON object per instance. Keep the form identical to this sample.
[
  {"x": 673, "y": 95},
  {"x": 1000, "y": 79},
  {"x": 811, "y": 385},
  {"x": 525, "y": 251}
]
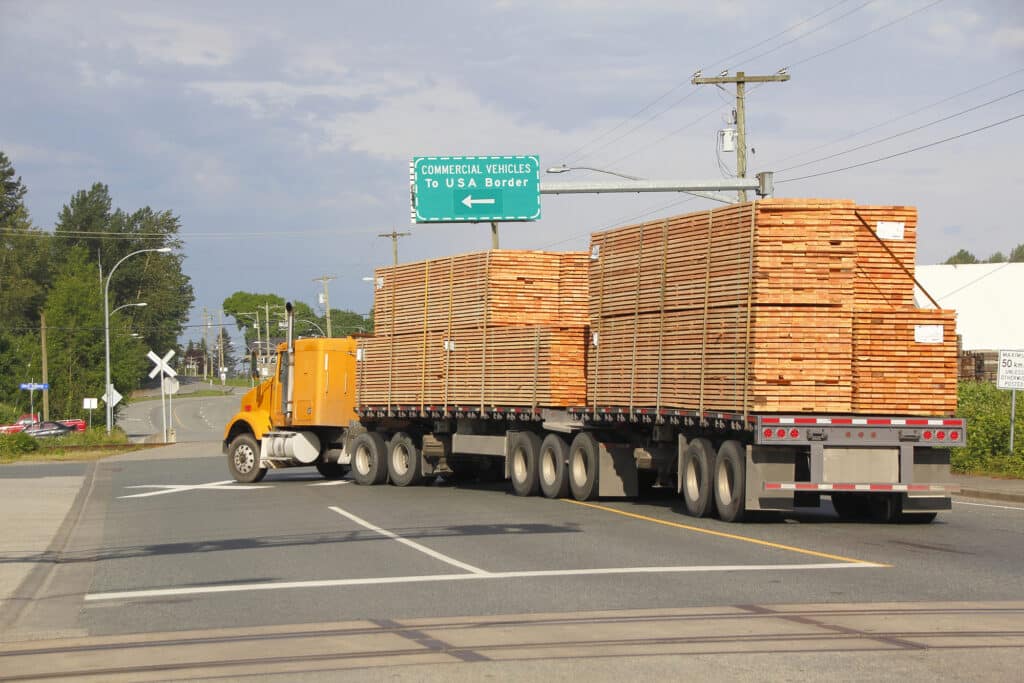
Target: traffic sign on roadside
[
  {"x": 112, "y": 397},
  {"x": 470, "y": 189},
  {"x": 1011, "y": 370},
  {"x": 160, "y": 364},
  {"x": 34, "y": 386}
]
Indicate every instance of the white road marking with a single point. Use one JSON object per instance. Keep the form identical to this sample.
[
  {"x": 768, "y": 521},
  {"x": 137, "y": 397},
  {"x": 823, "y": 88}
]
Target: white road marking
[
  {"x": 226, "y": 485},
  {"x": 332, "y": 483},
  {"x": 433, "y": 578},
  {"x": 983, "y": 505},
  {"x": 412, "y": 544}
]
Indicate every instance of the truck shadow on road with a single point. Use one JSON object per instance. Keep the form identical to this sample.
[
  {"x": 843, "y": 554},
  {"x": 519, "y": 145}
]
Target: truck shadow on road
[{"x": 284, "y": 541}]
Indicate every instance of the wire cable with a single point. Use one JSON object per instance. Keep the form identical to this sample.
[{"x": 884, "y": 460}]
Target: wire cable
[{"x": 903, "y": 153}]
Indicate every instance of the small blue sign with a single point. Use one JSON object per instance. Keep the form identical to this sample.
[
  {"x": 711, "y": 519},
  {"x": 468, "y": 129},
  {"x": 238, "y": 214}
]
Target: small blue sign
[{"x": 34, "y": 386}]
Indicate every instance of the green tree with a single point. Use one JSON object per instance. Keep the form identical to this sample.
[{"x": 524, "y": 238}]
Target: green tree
[
  {"x": 1017, "y": 255},
  {"x": 75, "y": 322},
  {"x": 106, "y": 236},
  {"x": 962, "y": 256},
  {"x": 12, "y": 190},
  {"x": 998, "y": 257}
]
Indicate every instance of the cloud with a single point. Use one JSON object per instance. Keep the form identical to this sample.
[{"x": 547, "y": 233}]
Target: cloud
[
  {"x": 1011, "y": 37},
  {"x": 162, "y": 39},
  {"x": 268, "y": 98}
]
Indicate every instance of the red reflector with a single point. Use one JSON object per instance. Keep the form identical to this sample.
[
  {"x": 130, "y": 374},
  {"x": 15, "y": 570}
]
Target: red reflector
[
  {"x": 794, "y": 433},
  {"x": 927, "y": 435},
  {"x": 953, "y": 436},
  {"x": 247, "y": 408},
  {"x": 768, "y": 433},
  {"x": 941, "y": 436},
  {"x": 781, "y": 433}
]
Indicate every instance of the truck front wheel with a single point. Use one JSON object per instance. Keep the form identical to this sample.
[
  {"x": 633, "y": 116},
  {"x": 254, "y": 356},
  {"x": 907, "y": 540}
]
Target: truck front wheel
[
  {"x": 244, "y": 459},
  {"x": 731, "y": 482},
  {"x": 368, "y": 464}
]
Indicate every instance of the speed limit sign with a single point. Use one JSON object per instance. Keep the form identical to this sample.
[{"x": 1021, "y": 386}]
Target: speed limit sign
[{"x": 1011, "y": 370}]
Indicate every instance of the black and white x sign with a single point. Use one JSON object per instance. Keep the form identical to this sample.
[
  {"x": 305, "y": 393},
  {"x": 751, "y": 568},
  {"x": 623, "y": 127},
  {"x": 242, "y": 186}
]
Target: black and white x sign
[{"x": 161, "y": 364}]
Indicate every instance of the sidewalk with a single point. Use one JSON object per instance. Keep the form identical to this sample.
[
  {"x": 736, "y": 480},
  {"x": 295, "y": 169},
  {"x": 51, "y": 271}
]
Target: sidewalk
[{"x": 989, "y": 488}]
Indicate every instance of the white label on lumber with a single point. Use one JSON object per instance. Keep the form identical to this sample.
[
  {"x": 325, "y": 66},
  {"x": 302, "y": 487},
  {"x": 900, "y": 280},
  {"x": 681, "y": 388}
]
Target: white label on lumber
[
  {"x": 594, "y": 339},
  {"x": 928, "y": 334},
  {"x": 595, "y": 252},
  {"x": 359, "y": 354},
  {"x": 889, "y": 230},
  {"x": 449, "y": 344}
]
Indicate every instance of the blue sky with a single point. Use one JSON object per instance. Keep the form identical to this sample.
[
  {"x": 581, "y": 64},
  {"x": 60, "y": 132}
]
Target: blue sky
[{"x": 281, "y": 133}]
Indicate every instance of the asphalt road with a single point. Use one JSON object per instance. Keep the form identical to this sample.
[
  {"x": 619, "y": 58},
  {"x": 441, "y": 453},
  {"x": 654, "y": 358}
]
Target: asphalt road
[
  {"x": 298, "y": 575},
  {"x": 192, "y": 418}
]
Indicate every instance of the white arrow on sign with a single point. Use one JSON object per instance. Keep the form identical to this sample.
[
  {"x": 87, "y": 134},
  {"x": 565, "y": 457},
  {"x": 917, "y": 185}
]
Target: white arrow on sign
[
  {"x": 112, "y": 397},
  {"x": 161, "y": 364},
  {"x": 470, "y": 202}
]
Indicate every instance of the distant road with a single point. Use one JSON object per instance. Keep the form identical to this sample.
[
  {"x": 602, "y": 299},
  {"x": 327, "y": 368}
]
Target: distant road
[{"x": 193, "y": 418}]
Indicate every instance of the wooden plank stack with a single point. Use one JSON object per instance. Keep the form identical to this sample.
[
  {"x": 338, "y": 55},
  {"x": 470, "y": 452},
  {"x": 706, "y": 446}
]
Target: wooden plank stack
[
  {"x": 490, "y": 329},
  {"x": 769, "y": 306}
]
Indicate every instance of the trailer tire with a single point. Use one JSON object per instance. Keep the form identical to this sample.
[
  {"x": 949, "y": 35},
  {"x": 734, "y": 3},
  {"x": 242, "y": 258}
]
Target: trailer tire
[
  {"x": 698, "y": 478},
  {"x": 332, "y": 470},
  {"x": 244, "y": 459},
  {"x": 731, "y": 482},
  {"x": 368, "y": 459},
  {"x": 583, "y": 467},
  {"x": 405, "y": 467},
  {"x": 524, "y": 455},
  {"x": 851, "y": 507},
  {"x": 553, "y": 469}
]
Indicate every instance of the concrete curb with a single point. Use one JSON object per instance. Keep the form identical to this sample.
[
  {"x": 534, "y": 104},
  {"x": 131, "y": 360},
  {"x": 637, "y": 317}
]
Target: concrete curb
[{"x": 1004, "y": 496}]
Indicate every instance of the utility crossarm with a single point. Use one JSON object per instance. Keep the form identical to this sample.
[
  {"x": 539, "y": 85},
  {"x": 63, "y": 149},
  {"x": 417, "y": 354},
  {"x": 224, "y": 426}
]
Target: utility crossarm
[{"x": 762, "y": 185}]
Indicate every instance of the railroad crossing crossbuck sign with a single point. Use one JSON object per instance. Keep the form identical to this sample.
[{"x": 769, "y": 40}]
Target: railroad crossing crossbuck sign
[{"x": 160, "y": 364}]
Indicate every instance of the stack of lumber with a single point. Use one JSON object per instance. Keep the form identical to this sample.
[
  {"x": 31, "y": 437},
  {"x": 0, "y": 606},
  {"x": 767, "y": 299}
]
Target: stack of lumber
[
  {"x": 489, "y": 329},
  {"x": 758, "y": 307}
]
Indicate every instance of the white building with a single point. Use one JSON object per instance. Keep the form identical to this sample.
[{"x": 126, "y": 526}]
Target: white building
[{"x": 988, "y": 299}]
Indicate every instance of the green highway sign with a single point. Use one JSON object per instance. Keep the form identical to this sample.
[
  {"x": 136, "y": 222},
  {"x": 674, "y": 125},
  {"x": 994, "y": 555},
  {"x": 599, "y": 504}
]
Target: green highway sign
[{"x": 475, "y": 188}]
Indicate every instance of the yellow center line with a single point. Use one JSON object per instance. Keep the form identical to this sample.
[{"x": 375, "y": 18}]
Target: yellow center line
[{"x": 722, "y": 534}]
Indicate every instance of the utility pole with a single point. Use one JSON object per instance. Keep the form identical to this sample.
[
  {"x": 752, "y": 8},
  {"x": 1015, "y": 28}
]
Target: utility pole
[
  {"x": 206, "y": 341},
  {"x": 327, "y": 297},
  {"x": 494, "y": 235},
  {"x": 394, "y": 241},
  {"x": 46, "y": 375},
  {"x": 741, "y": 80},
  {"x": 220, "y": 344}
]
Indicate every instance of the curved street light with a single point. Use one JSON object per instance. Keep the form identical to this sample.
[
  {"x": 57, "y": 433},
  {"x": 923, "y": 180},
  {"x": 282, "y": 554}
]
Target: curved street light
[
  {"x": 565, "y": 169},
  {"x": 106, "y": 327},
  {"x": 310, "y": 322}
]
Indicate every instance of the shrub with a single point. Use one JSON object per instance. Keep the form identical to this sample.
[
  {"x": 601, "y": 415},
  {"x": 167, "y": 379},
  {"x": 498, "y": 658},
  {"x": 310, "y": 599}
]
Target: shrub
[
  {"x": 987, "y": 411},
  {"x": 14, "y": 445}
]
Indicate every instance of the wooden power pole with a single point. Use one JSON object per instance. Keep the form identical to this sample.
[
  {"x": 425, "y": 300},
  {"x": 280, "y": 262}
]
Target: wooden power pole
[
  {"x": 740, "y": 79},
  {"x": 327, "y": 297},
  {"x": 393, "y": 235}
]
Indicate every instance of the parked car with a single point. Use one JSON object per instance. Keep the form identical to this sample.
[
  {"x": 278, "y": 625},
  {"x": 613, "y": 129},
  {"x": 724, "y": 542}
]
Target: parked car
[
  {"x": 76, "y": 423},
  {"x": 11, "y": 429},
  {"x": 45, "y": 429}
]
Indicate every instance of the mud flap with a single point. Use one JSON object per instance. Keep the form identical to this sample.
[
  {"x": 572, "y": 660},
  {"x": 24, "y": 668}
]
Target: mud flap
[{"x": 617, "y": 476}]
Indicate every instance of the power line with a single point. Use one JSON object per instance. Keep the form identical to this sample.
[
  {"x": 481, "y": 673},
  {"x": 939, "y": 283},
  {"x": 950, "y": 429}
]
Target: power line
[
  {"x": 677, "y": 86},
  {"x": 865, "y": 35},
  {"x": 901, "y": 116},
  {"x": 904, "y": 152},
  {"x": 812, "y": 32},
  {"x": 902, "y": 133}
]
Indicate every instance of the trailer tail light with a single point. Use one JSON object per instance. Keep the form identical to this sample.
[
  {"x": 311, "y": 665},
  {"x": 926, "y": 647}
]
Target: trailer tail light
[
  {"x": 768, "y": 433},
  {"x": 954, "y": 436},
  {"x": 794, "y": 433},
  {"x": 927, "y": 435},
  {"x": 781, "y": 433},
  {"x": 941, "y": 436}
]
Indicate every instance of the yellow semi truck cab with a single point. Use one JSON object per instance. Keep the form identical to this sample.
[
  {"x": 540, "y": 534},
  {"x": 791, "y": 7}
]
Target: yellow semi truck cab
[{"x": 300, "y": 415}]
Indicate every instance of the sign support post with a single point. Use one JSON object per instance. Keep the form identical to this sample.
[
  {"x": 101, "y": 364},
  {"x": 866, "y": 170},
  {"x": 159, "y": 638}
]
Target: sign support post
[
  {"x": 1011, "y": 376},
  {"x": 161, "y": 367}
]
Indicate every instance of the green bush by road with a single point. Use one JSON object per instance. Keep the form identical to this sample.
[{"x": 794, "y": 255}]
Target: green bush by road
[
  {"x": 987, "y": 411},
  {"x": 75, "y": 445}
]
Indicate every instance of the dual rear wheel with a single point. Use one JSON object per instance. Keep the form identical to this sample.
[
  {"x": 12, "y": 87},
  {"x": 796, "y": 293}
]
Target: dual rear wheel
[{"x": 715, "y": 481}]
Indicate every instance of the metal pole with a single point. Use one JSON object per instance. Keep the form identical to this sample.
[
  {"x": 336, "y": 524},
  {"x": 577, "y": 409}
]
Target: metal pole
[
  {"x": 1013, "y": 416},
  {"x": 494, "y": 235},
  {"x": 163, "y": 404},
  {"x": 106, "y": 327},
  {"x": 741, "y": 131}
]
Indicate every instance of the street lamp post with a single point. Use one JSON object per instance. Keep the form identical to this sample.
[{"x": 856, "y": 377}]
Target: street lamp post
[
  {"x": 709, "y": 189},
  {"x": 106, "y": 328}
]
